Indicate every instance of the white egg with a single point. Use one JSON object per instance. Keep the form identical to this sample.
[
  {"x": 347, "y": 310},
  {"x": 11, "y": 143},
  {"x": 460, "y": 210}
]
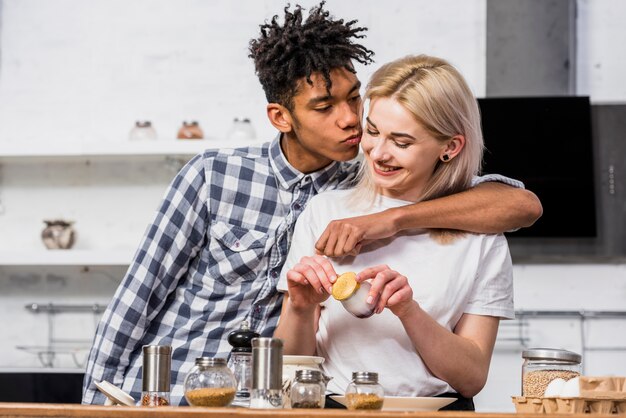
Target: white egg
[
  {"x": 554, "y": 388},
  {"x": 571, "y": 389}
]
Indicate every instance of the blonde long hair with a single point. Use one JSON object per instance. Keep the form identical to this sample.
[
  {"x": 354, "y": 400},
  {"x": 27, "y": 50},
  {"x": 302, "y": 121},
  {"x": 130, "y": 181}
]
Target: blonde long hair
[{"x": 437, "y": 95}]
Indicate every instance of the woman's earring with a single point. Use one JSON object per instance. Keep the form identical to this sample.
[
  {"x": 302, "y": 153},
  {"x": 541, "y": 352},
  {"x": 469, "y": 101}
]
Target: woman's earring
[{"x": 445, "y": 157}]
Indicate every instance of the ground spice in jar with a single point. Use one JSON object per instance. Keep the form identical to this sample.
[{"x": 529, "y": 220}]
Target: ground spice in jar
[
  {"x": 152, "y": 399},
  {"x": 211, "y": 396},
  {"x": 534, "y": 383},
  {"x": 364, "y": 401},
  {"x": 306, "y": 404}
]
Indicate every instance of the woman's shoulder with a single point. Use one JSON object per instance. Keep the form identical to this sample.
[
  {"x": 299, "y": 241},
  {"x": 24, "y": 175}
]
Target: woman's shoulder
[
  {"x": 488, "y": 246},
  {"x": 330, "y": 197},
  {"x": 334, "y": 203}
]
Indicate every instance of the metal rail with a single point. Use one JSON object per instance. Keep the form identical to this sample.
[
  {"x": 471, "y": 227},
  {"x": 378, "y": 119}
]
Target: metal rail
[
  {"x": 571, "y": 314},
  {"x": 54, "y": 308},
  {"x": 54, "y": 346},
  {"x": 522, "y": 324}
]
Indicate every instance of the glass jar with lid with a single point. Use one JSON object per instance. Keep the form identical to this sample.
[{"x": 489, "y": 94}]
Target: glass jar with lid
[
  {"x": 353, "y": 295},
  {"x": 364, "y": 392},
  {"x": 241, "y": 129},
  {"x": 142, "y": 130},
  {"x": 308, "y": 390},
  {"x": 190, "y": 130},
  {"x": 210, "y": 383},
  {"x": 542, "y": 365}
]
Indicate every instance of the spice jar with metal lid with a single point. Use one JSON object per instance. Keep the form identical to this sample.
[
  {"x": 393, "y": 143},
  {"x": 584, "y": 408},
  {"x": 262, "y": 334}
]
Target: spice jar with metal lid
[
  {"x": 142, "y": 130},
  {"x": 241, "y": 129},
  {"x": 542, "y": 365},
  {"x": 157, "y": 363},
  {"x": 308, "y": 390},
  {"x": 364, "y": 392},
  {"x": 190, "y": 130},
  {"x": 210, "y": 383}
]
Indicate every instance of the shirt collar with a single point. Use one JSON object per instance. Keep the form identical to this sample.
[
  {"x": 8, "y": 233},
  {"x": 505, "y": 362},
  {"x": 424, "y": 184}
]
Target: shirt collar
[{"x": 288, "y": 176}]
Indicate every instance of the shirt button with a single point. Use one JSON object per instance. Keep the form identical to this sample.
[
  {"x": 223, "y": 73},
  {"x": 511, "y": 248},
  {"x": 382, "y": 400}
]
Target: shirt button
[
  {"x": 296, "y": 206},
  {"x": 237, "y": 244},
  {"x": 274, "y": 274}
]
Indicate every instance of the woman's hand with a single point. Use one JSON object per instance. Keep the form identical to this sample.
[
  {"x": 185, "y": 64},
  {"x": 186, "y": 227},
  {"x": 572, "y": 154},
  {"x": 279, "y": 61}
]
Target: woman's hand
[
  {"x": 389, "y": 289},
  {"x": 310, "y": 282}
]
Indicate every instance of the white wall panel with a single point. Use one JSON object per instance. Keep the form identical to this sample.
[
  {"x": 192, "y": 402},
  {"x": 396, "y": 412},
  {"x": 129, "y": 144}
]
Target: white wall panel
[{"x": 601, "y": 55}]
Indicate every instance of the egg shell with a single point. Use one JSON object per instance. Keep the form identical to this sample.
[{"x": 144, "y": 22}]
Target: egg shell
[
  {"x": 554, "y": 388},
  {"x": 571, "y": 388}
]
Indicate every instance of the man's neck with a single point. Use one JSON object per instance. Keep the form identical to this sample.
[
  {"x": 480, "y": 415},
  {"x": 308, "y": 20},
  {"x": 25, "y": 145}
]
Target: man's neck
[{"x": 300, "y": 158}]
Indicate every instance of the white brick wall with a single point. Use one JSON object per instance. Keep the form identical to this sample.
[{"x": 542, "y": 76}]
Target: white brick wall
[{"x": 74, "y": 70}]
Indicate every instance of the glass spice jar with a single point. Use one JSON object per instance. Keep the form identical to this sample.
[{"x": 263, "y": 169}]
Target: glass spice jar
[
  {"x": 353, "y": 295},
  {"x": 190, "y": 130},
  {"x": 210, "y": 383},
  {"x": 241, "y": 129},
  {"x": 308, "y": 390},
  {"x": 542, "y": 365},
  {"x": 142, "y": 130},
  {"x": 364, "y": 392}
]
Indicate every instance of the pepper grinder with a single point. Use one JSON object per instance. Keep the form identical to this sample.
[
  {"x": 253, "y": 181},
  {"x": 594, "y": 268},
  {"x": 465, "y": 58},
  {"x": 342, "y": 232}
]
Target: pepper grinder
[
  {"x": 241, "y": 362},
  {"x": 157, "y": 366},
  {"x": 267, "y": 373}
]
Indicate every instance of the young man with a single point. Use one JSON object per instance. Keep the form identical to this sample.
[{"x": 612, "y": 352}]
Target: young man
[{"x": 213, "y": 254}]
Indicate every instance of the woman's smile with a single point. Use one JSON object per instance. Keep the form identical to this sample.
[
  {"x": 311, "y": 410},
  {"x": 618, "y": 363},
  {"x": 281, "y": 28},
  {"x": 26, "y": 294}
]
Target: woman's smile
[{"x": 385, "y": 170}]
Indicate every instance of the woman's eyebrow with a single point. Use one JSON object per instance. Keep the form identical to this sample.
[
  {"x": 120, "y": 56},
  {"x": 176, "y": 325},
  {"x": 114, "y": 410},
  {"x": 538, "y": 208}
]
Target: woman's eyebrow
[
  {"x": 396, "y": 134},
  {"x": 403, "y": 135}
]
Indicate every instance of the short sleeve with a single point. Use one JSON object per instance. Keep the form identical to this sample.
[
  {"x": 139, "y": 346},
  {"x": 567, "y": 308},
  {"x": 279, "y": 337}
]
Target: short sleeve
[
  {"x": 497, "y": 178},
  {"x": 302, "y": 243},
  {"x": 492, "y": 294}
]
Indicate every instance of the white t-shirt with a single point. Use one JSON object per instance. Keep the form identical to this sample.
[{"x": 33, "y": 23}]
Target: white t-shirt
[{"x": 471, "y": 275}]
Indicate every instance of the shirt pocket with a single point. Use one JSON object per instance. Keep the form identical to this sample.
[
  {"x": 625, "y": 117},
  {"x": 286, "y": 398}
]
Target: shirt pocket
[{"x": 236, "y": 253}]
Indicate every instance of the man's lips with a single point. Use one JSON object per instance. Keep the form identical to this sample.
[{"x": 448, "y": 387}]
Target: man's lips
[{"x": 353, "y": 140}]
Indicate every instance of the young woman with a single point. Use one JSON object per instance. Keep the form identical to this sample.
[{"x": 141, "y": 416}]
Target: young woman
[{"x": 438, "y": 295}]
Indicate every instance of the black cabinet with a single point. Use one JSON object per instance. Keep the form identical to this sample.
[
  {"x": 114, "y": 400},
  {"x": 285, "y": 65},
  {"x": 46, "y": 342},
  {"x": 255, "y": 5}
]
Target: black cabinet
[
  {"x": 45, "y": 387},
  {"x": 609, "y": 153}
]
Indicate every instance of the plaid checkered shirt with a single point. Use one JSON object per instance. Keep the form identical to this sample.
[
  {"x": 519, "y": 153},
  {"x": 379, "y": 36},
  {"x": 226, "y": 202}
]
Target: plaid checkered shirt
[{"x": 210, "y": 259}]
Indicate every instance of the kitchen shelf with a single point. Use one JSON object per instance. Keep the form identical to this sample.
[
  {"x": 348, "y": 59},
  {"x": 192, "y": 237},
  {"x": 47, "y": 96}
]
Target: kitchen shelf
[
  {"x": 67, "y": 257},
  {"x": 162, "y": 147}
]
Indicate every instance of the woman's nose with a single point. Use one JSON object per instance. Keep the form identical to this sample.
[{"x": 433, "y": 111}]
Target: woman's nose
[{"x": 379, "y": 150}]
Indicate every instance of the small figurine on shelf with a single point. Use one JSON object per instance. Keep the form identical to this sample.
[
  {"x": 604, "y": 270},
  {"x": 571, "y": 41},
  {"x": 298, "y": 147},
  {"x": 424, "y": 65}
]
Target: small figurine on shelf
[
  {"x": 142, "y": 130},
  {"x": 58, "y": 234},
  {"x": 190, "y": 130}
]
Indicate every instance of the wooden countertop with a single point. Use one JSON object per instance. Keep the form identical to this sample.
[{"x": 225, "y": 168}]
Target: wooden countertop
[{"x": 41, "y": 410}]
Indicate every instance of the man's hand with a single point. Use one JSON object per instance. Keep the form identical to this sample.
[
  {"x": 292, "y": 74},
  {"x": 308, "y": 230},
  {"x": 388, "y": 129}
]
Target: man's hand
[{"x": 346, "y": 236}]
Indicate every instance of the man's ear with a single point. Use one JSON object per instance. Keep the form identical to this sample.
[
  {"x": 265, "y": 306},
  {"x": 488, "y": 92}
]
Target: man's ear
[
  {"x": 280, "y": 117},
  {"x": 454, "y": 146}
]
